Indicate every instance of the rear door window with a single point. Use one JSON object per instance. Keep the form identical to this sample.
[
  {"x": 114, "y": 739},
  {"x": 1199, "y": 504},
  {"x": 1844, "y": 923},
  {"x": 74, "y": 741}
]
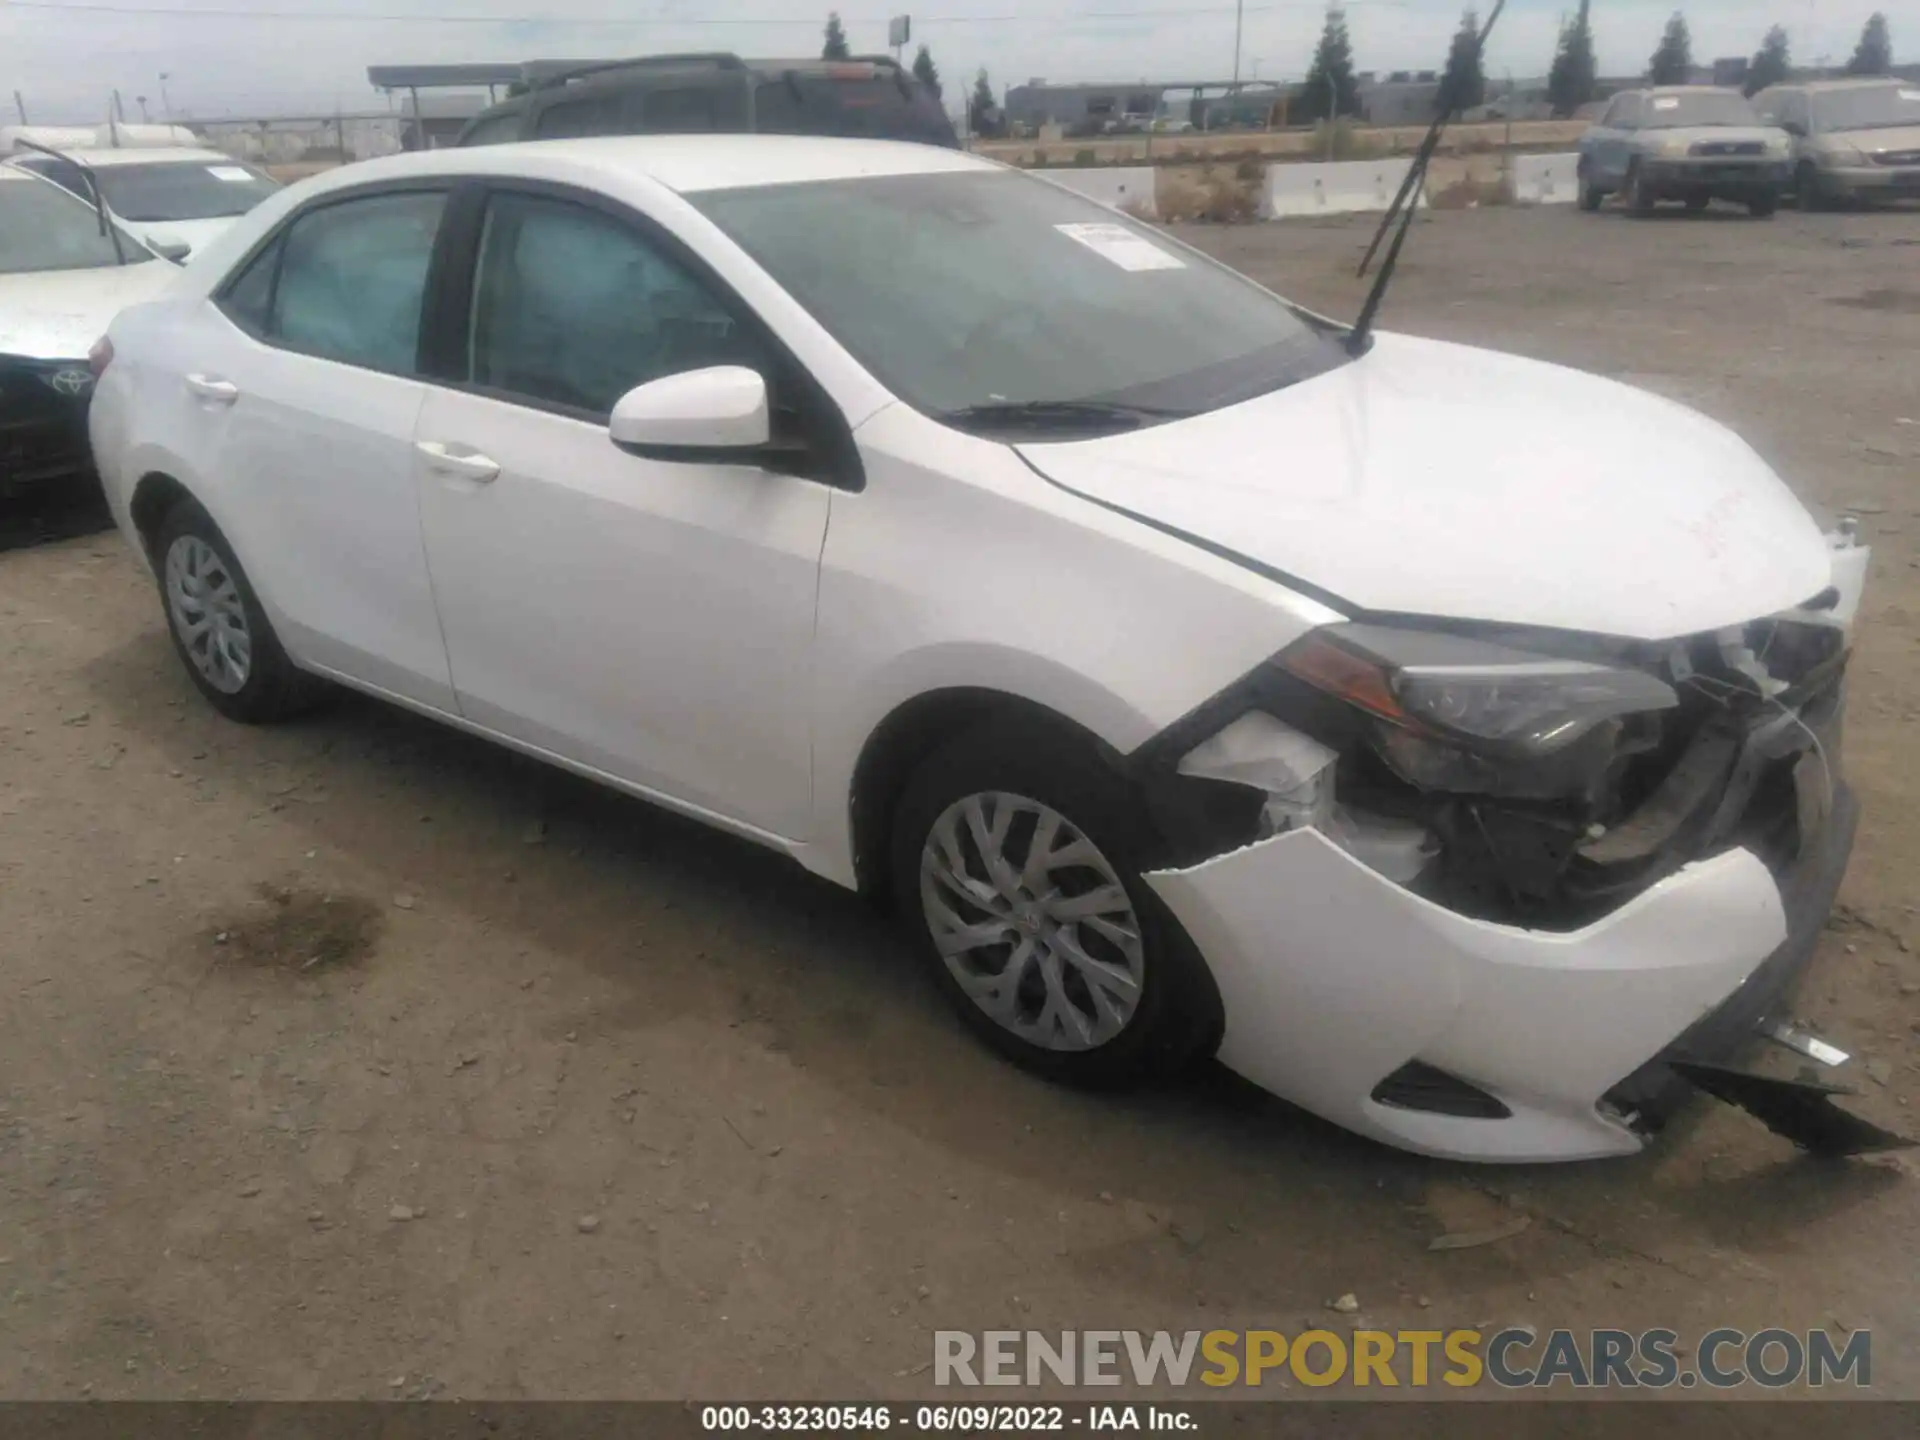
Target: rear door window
[
  {"x": 353, "y": 279},
  {"x": 588, "y": 115},
  {"x": 493, "y": 129},
  {"x": 870, "y": 105},
  {"x": 684, "y": 111}
]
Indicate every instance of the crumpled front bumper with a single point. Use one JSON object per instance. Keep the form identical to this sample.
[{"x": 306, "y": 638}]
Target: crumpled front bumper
[{"x": 1333, "y": 978}]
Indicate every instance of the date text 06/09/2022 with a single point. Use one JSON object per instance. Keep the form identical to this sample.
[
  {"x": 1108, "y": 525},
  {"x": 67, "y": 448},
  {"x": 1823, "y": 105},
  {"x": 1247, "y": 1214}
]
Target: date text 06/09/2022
[{"x": 937, "y": 1419}]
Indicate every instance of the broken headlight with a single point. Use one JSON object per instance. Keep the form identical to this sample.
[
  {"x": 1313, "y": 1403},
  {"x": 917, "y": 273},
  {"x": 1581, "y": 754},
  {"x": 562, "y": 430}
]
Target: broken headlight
[{"x": 1471, "y": 716}]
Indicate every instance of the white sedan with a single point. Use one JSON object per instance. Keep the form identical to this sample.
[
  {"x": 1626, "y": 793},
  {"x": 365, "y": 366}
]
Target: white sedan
[
  {"x": 174, "y": 199},
  {"x": 1449, "y": 742}
]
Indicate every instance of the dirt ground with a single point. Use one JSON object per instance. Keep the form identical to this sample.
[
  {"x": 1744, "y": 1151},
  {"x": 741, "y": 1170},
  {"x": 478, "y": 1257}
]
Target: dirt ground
[{"x": 357, "y": 1058}]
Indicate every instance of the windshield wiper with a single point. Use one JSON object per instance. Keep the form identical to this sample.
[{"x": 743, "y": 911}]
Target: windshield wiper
[
  {"x": 108, "y": 230},
  {"x": 1058, "y": 414},
  {"x": 1405, "y": 204}
]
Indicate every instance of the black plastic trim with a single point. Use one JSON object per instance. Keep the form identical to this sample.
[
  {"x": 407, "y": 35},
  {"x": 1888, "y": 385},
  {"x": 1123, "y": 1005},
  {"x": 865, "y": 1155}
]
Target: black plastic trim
[{"x": 1417, "y": 1085}]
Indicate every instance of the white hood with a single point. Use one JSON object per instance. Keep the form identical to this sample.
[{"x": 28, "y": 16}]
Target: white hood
[
  {"x": 58, "y": 314},
  {"x": 1441, "y": 480}
]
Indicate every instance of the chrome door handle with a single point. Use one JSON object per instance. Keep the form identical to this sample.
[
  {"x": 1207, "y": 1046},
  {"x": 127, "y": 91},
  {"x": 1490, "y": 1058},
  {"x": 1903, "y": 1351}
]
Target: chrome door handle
[
  {"x": 208, "y": 387},
  {"x": 469, "y": 466}
]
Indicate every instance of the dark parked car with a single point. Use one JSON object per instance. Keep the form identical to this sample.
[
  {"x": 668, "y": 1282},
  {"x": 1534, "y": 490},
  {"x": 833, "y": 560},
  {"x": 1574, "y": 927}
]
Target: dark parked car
[{"x": 869, "y": 98}]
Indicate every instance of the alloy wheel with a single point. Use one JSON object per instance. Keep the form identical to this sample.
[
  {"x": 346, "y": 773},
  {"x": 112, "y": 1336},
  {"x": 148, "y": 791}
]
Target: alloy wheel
[
  {"x": 1032, "y": 921},
  {"x": 203, "y": 601}
]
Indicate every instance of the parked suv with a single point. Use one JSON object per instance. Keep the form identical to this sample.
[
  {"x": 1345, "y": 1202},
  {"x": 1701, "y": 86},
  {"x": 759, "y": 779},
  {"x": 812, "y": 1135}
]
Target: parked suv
[
  {"x": 871, "y": 98},
  {"x": 1687, "y": 142},
  {"x": 1852, "y": 139}
]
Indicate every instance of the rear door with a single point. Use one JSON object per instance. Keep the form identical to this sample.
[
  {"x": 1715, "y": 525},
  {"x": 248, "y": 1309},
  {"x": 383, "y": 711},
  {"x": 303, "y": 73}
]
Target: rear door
[
  {"x": 306, "y": 383},
  {"x": 650, "y": 620}
]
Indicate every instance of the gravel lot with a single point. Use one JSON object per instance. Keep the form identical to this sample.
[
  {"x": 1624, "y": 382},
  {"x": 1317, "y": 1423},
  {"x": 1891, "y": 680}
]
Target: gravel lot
[{"x": 357, "y": 1058}]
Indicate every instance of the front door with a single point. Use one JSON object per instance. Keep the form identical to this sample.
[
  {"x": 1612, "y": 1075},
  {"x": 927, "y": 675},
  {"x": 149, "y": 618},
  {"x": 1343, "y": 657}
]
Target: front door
[{"x": 651, "y": 620}]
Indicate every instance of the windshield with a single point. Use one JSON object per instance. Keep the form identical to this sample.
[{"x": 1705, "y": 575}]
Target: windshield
[
  {"x": 990, "y": 298},
  {"x": 1709, "y": 107},
  {"x": 182, "y": 189},
  {"x": 1877, "y": 107},
  {"x": 44, "y": 228}
]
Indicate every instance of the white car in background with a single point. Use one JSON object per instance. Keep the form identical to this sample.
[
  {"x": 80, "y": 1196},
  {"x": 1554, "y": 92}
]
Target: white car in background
[
  {"x": 1448, "y": 741},
  {"x": 63, "y": 277},
  {"x": 174, "y": 198}
]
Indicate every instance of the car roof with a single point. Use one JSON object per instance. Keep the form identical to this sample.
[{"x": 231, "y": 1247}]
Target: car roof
[
  {"x": 1859, "y": 82},
  {"x": 1690, "y": 90},
  {"x": 138, "y": 155},
  {"x": 686, "y": 164}
]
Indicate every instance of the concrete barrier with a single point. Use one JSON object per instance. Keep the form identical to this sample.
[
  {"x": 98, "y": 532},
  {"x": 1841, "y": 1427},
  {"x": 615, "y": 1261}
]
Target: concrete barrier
[
  {"x": 1124, "y": 187},
  {"x": 1336, "y": 189},
  {"x": 1545, "y": 179}
]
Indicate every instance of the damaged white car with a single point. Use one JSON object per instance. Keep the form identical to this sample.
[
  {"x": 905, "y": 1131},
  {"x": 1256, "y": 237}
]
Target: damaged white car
[{"x": 1195, "y": 674}]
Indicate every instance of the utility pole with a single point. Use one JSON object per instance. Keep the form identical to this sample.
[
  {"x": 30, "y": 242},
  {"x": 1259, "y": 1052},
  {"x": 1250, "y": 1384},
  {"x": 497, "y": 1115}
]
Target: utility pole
[
  {"x": 21, "y": 106},
  {"x": 166, "y": 106},
  {"x": 1239, "y": 8}
]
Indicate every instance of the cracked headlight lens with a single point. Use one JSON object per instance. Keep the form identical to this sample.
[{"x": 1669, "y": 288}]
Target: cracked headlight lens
[{"x": 1459, "y": 713}]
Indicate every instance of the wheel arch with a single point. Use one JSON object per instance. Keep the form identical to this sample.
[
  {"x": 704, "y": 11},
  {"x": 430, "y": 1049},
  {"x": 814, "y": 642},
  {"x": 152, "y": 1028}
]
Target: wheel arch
[
  {"x": 154, "y": 495},
  {"x": 913, "y": 730}
]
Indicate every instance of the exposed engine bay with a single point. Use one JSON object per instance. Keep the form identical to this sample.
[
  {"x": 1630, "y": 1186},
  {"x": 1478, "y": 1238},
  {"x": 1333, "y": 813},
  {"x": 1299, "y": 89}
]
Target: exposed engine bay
[{"x": 1521, "y": 777}]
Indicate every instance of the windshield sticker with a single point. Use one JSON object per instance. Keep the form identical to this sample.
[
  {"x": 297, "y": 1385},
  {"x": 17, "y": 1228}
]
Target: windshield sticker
[
  {"x": 232, "y": 174},
  {"x": 1122, "y": 247},
  {"x": 1667, "y": 102}
]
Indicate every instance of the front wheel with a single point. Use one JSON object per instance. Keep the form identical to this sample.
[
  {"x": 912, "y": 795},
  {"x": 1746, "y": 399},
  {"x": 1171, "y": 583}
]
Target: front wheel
[
  {"x": 1015, "y": 862},
  {"x": 218, "y": 627},
  {"x": 1763, "y": 207},
  {"x": 1639, "y": 194},
  {"x": 1590, "y": 194},
  {"x": 1806, "y": 189}
]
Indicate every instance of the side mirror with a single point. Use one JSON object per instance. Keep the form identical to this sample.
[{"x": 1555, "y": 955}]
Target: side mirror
[
  {"x": 169, "y": 249},
  {"x": 714, "y": 415}
]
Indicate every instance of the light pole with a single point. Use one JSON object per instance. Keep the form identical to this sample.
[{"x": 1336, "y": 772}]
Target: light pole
[
  {"x": 1239, "y": 7},
  {"x": 141, "y": 101},
  {"x": 166, "y": 106}
]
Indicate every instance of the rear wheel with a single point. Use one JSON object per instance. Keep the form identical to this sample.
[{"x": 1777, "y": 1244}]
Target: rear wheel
[
  {"x": 1762, "y": 207},
  {"x": 1696, "y": 203},
  {"x": 1015, "y": 862},
  {"x": 218, "y": 627}
]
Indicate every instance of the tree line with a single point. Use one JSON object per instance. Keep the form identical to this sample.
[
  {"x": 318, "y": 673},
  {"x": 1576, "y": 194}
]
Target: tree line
[{"x": 1332, "y": 86}]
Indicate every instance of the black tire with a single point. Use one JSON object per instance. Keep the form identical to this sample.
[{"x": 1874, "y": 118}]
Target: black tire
[
  {"x": 274, "y": 688},
  {"x": 1639, "y": 197},
  {"x": 1763, "y": 207},
  {"x": 1177, "y": 1016},
  {"x": 1807, "y": 194},
  {"x": 1590, "y": 194},
  {"x": 1697, "y": 203}
]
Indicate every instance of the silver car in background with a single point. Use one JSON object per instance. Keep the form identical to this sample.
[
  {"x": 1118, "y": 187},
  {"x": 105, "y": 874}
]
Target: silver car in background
[
  {"x": 1687, "y": 142},
  {"x": 1853, "y": 140}
]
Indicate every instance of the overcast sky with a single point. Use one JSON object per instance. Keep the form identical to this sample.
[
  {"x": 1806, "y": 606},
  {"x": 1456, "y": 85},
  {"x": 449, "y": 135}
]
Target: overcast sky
[{"x": 281, "y": 57}]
